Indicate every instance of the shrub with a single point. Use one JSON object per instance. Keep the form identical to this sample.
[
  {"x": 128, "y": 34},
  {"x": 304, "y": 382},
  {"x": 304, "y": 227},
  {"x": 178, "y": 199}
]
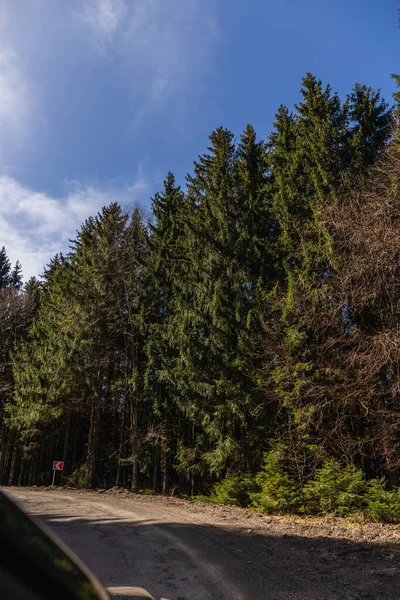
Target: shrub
[
  {"x": 382, "y": 504},
  {"x": 79, "y": 479},
  {"x": 278, "y": 492},
  {"x": 236, "y": 491},
  {"x": 335, "y": 488}
]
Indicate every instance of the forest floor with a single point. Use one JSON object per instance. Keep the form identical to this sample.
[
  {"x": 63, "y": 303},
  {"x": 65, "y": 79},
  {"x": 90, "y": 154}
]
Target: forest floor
[{"x": 167, "y": 548}]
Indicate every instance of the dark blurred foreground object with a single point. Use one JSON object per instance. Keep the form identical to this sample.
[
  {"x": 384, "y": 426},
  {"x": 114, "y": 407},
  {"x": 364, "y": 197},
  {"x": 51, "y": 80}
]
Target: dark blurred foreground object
[{"x": 35, "y": 565}]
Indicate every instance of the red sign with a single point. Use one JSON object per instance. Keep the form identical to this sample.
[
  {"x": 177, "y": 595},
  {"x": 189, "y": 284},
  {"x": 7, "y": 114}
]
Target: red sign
[{"x": 58, "y": 465}]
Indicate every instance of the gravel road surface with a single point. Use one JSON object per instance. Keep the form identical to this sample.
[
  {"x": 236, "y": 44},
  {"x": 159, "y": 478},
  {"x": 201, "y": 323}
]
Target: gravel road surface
[{"x": 171, "y": 549}]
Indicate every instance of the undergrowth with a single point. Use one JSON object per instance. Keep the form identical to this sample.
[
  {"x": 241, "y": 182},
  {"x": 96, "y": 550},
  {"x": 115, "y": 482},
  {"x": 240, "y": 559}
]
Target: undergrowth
[{"x": 337, "y": 489}]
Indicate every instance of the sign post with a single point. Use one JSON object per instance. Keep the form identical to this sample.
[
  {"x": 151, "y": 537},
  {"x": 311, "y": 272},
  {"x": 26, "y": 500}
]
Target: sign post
[{"x": 58, "y": 465}]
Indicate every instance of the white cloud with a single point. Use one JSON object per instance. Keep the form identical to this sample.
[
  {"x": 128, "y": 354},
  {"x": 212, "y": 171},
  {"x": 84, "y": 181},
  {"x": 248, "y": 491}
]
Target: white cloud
[
  {"x": 103, "y": 17},
  {"x": 164, "y": 46},
  {"x": 16, "y": 101},
  {"x": 35, "y": 226}
]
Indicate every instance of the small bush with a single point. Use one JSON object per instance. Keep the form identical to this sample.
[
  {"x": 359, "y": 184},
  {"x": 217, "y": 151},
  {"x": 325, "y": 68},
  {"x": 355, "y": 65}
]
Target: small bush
[
  {"x": 278, "y": 492},
  {"x": 335, "y": 488},
  {"x": 200, "y": 498},
  {"x": 382, "y": 504},
  {"x": 235, "y": 491},
  {"x": 79, "y": 479}
]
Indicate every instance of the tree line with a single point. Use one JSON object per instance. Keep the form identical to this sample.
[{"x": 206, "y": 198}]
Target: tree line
[{"x": 255, "y": 312}]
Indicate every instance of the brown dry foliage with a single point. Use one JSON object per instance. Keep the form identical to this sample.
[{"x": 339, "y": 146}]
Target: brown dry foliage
[{"x": 350, "y": 400}]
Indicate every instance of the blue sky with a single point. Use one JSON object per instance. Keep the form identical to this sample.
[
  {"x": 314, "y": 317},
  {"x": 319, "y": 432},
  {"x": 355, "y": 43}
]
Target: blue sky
[{"x": 100, "y": 98}]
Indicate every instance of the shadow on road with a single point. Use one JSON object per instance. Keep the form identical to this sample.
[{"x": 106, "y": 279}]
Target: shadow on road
[{"x": 180, "y": 561}]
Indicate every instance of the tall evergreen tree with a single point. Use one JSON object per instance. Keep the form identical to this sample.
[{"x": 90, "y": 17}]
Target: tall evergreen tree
[
  {"x": 5, "y": 269},
  {"x": 177, "y": 352},
  {"x": 16, "y": 276},
  {"x": 163, "y": 268},
  {"x": 82, "y": 340},
  {"x": 208, "y": 303},
  {"x": 370, "y": 125},
  {"x": 17, "y": 310},
  {"x": 217, "y": 294},
  {"x": 313, "y": 154}
]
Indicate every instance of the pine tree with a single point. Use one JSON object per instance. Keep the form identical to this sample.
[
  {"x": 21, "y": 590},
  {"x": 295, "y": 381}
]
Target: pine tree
[
  {"x": 163, "y": 269},
  {"x": 81, "y": 356},
  {"x": 17, "y": 310},
  {"x": 134, "y": 312},
  {"x": 256, "y": 252},
  {"x": 313, "y": 154},
  {"x": 5, "y": 268},
  {"x": 178, "y": 352},
  {"x": 16, "y": 276},
  {"x": 214, "y": 301},
  {"x": 322, "y": 136},
  {"x": 371, "y": 122},
  {"x": 256, "y": 226}
]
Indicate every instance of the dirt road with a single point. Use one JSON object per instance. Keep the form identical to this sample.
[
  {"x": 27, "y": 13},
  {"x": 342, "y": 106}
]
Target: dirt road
[{"x": 170, "y": 549}]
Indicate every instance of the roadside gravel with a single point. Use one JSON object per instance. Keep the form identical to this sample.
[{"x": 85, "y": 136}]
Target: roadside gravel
[{"x": 181, "y": 550}]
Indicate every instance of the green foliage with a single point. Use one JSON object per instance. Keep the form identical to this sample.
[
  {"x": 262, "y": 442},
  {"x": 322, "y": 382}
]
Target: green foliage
[
  {"x": 5, "y": 269},
  {"x": 236, "y": 490},
  {"x": 372, "y": 121},
  {"x": 170, "y": 353},
  {"x": 80, "y": 479},
  {"x": 383, "y": 505},
  {"x": 279, "y": 493},
  {"x": 343, "y": 490},
  {"x": 16, "y": 276},
  {"x": 335, "y": 488}
]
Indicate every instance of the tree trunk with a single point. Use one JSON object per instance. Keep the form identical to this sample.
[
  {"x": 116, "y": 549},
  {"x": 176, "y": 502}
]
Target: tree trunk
[
  {"x": 75, "y": 450},
  {"x": 93, "y": 447},
  {"x": 39, "y": 462},
  {"x": 156, "y": 467},
  {"x": 5, "y": 440},
  {"x": 134, "y": 446},
  {"x": 12, "y": 453},
  {"x": 27, "y": 471},
  {"x": 121, "y": 442},
  {"x": 16, "y": 467},
  {"x": 65, "y": 473},
  {"x": 166, "y": 468}
]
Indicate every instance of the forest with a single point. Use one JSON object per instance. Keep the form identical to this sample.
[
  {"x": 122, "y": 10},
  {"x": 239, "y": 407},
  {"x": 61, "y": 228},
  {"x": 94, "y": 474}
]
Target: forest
[{"x": 241, "y": 344}]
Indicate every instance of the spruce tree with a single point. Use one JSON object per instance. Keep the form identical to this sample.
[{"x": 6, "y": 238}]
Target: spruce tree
[
  {"x": 5, "y": 269},
  {"x": 313, "y": 154},
  {"x": 82, "y": 355},
  {"x": 163, "y": 270},
  {"x": 16, "y": 276},
  {"x": 214, "y": 298},
  {"x": 177, "y": 352},
  {"x": 371, "y": 121}
]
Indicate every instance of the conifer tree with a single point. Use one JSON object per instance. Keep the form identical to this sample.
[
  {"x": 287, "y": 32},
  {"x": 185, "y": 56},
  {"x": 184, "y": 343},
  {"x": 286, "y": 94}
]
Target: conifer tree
[
  {"x": 256, "y": 226},
  {"x": 177, "y": 352},
  {"x": 313, "y": 154},
  {"x": 79, "y": 343},
  {"x": 5, "y": 268},
  {"x": 163, "y": 269},
  {"x": 370, "y": 124},
  {"x": 16, "y": 314},
  {"x": 16, "y": 276},
  {"x": 215, "y": 297}
]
